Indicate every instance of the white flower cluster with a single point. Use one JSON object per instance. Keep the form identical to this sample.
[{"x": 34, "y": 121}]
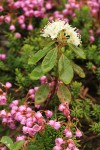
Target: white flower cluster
[{"x": 52, "y": 30}]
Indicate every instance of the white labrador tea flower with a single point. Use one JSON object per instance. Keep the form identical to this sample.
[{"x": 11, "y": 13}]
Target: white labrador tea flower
[{"x": 53, "y": 29}]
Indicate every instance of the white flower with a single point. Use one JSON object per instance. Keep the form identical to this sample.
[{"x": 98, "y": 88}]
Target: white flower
[{"x": 53, "y": 29}]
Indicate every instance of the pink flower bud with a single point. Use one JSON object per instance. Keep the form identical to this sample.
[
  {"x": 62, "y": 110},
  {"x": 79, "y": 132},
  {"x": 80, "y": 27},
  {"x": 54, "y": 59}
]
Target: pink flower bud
[
  {"x": 1, "y": 9},
  {"x": 61, "y": 107},
  {"x": 78, "y": 133},
  {"x": 57, "y": 125},
  {"x": 8, "y": 85},
  {"x": 59, "y": 141},
  {"x": 57, "y": 148},
  {"x": 48, "y": 113},
  {"x": 2, "y": 56},
  {"x": 22, "y": 137},
  {"x": 17, "y": 35},
  {"x": 68, "y": 133},
  {"x": 38, "y": 115},
  {"x": 31, "y": 91},
  {"x": 36, "y": 88},
  {"x": 25, "y": 129},
  {"x": 7, "y": 19},
  {"x": 30, "y": 27},
  {"x": 92, "y": 39},
  {"x": 12, "y": 27}
]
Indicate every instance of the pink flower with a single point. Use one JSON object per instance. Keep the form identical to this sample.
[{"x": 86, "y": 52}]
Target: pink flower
[
  {"x": 17, "y": 35},
  {"x": 31, "y": 91},
  {"x": 3, "y": 148},
  {"x": 54, "y": 124},
  {"x": 68, "y": 133},
  {"x": 12, "y": 27},
  {"x": 71, "y": 144},
  {"x": 57, "y": 148},
  {"x": 25, "y": 129},
  {"x": 78, "y": 133},
  {"x": 61, "y": 107},
  {"x": 8, "y": 85},
  {"x": 48, "y": 113},
  {"x": 1, "y": 9},
  {"x": 59, "y": 141},
  {"x": 3, "y": 113},
  {"x": 7, "y": 19},
  {"x": 36, "y": 128},
  {"x": 30, "y": 27},
  {"x": 38, "y": 115},
  {"x": 3, "y": 100},
  {"x": 21, "y": 137},
  {"x": 3, "y": 56}
]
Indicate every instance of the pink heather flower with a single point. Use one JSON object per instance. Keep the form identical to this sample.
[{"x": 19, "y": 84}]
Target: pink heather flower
[
  {"x": 15, "y": 108},
  {"x": 29, "y": 124},
  {"x": 17, "y": 35},
  {"x": 22, "y": 108},
  {"x": 28, "y": 109},
  {"x": 52, "y": 84},
  {"x": 38, "y": 115},
  {"x": 12, "y": 27},
  {"x": 36, "y": 128},
  {"x": 23, "y": 121},
  {"x": 21, "y": 137},
  {"x": 12, "y": 126},
  {"x": 31, "y": 91},
  {"x": 2, "y": 56},
  {"x": 59, "y": 141},
  {"x": 1, "y": 9},
  {"x": 48, "y": 113},
  {"x": 13, "y": 112},
  {"x": 30, "y": 27},
  {"x": 51, "y": 123},
  {"x": 7, "y": 19},
  {"x": 23, "y": 26},
  {"x": 8, "y": 85},
  {"x": 3, "y": 100},
  {"x": 43, "y": 79},
  {"x": 3, "y": 113},
  {"x": 57, "y": 148},
  {"x": 36, "y": 88},
  {"x": 15, "y": 102},
  {"x": 37, "y": 106},
  {"x": 92, "y": 39},
  {"x": 68, "y": 133},
  {"x": 31, "y": 132},
  {"x": 78, "y": 133},
  {"x": 25, "y": 129},
  {"x": 48, "y": 5},
  {"x": 32, "y": 96},
  {"x": 3, "y": 148},
  {"x": 4, "y": 120},
  {"x": 54, "y": 124},
  {"x": 61, "y": 107},
  {"x": 71, "y": 144}
]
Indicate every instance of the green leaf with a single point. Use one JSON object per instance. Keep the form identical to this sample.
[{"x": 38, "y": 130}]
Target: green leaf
[
  {"x": 41, "y": 94},
  {"x": 65, "y": 69},
  {"x": 77, "y": 50},
  {"x": 7, "y": 141},
  {"x": 49, "y": 60},
  {"x": 78, "y": 70},
  {"x": 63, "y": 93},
  {"x": 36, "y": 73},
  {"x": 40, "y": 54},
  {"x": 18, "y": 145}
]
